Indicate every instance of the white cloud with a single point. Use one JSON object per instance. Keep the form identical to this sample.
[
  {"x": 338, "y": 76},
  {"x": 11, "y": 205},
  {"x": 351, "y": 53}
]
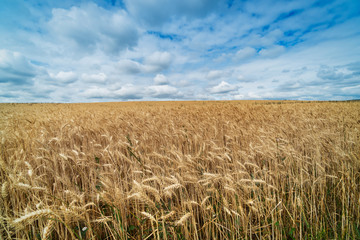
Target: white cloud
[
  {"x": 242, "y": 79},
  {"x": 238, "y": 97},
  {"x": 215, "y": 74},
  {"x": 94, "y": 78},
  {"x": 161, "y": 79},
  {"x": 222, "y": 87},
  {"x": 126, "y": 92},
  {"x": 206, "y": 49},
  {"x": 272, "y": 51},
  {"x": 129, "y": 91},
  {"x": 356, "y": 89},
  {"x": 163, "y": 91},
  {"x": 15, "y": 68},
  {"x": 90, "y": 27},
  {"x": 129, "y": 66},
  {"x": 153, "y": 63},
  {"x": 245, "y": 53},
  {"x": 97, "y": 92},
  {"x": 64, "y": 77},
  {"x": 157, "y": 61}
]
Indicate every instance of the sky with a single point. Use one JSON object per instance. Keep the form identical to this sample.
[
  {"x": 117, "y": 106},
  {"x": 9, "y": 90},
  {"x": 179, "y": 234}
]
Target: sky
[{"x": 140, "y": 50}]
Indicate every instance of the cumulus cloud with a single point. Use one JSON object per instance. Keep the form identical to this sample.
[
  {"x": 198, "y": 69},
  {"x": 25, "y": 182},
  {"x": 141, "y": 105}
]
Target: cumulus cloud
[
  {"x": 131, "y": 50},
  {"x": 162, "y": 91},
  {"x": 129, "y": 66},
  {"x": 94, "y": 78},
  {"x": 153, "y": 63},
  {"x": 90, "y": 27},
  {"x": 132, "y": 92},
  {"x": 129, "y": 91},
  {"x": 97, "y": 92},
  {"x": 161, "y": 79},
  {"x": 126, "y": 92},
  {"x": 157, "y": 61},
  {"x": 245, "y": 53},
  {"x": 15, "y": 68},
  {"x": 222, "y": 88},
  {"x": 64, "y": 77}
]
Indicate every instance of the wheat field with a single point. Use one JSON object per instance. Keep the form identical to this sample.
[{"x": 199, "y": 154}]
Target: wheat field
[{"x": 180, "y": 170}]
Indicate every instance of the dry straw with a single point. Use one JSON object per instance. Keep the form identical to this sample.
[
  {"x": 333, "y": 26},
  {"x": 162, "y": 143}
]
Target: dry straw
[
  {"x": 183, "y": 219},
  {"x": 31, "y": 217},
  {"x": 184, "y": 170}
]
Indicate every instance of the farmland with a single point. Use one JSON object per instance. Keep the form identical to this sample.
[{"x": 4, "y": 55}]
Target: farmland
[{"x": 180, "y": 170}]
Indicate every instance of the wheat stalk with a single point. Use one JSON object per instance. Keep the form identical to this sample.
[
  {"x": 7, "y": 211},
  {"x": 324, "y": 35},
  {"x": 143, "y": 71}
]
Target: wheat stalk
[
  {"x": 170, "y": 214},
  {"x": 149, "y": 216},
  {"x": 31, "y": 217},
  {"x": 224, "y": 166},
  {"x": 183, "y": 219},
  {"x": 4, "y": 190},
  {"x": 172, "y": 187},
  {"x": 48, "y": 229}
]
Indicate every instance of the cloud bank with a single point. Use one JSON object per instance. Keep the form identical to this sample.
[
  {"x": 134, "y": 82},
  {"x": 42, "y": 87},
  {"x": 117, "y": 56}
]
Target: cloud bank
[{"x": 85, "y": 51}]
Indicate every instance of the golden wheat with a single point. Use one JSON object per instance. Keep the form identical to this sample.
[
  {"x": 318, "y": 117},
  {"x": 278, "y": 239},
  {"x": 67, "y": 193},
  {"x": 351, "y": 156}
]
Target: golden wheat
[
  {"x": 31, "y": 217},
  {"x": 48, "y": 229},
  {"x": 183, "y": 219},
  {"x": 180, "y": 170}
]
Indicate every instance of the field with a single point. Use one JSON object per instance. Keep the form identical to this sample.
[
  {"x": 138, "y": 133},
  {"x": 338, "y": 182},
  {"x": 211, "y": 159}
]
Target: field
[{"x": 180, "y": 170}]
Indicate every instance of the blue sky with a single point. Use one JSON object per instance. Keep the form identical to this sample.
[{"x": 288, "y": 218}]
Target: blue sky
[{"x": 121, "y": 50}]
